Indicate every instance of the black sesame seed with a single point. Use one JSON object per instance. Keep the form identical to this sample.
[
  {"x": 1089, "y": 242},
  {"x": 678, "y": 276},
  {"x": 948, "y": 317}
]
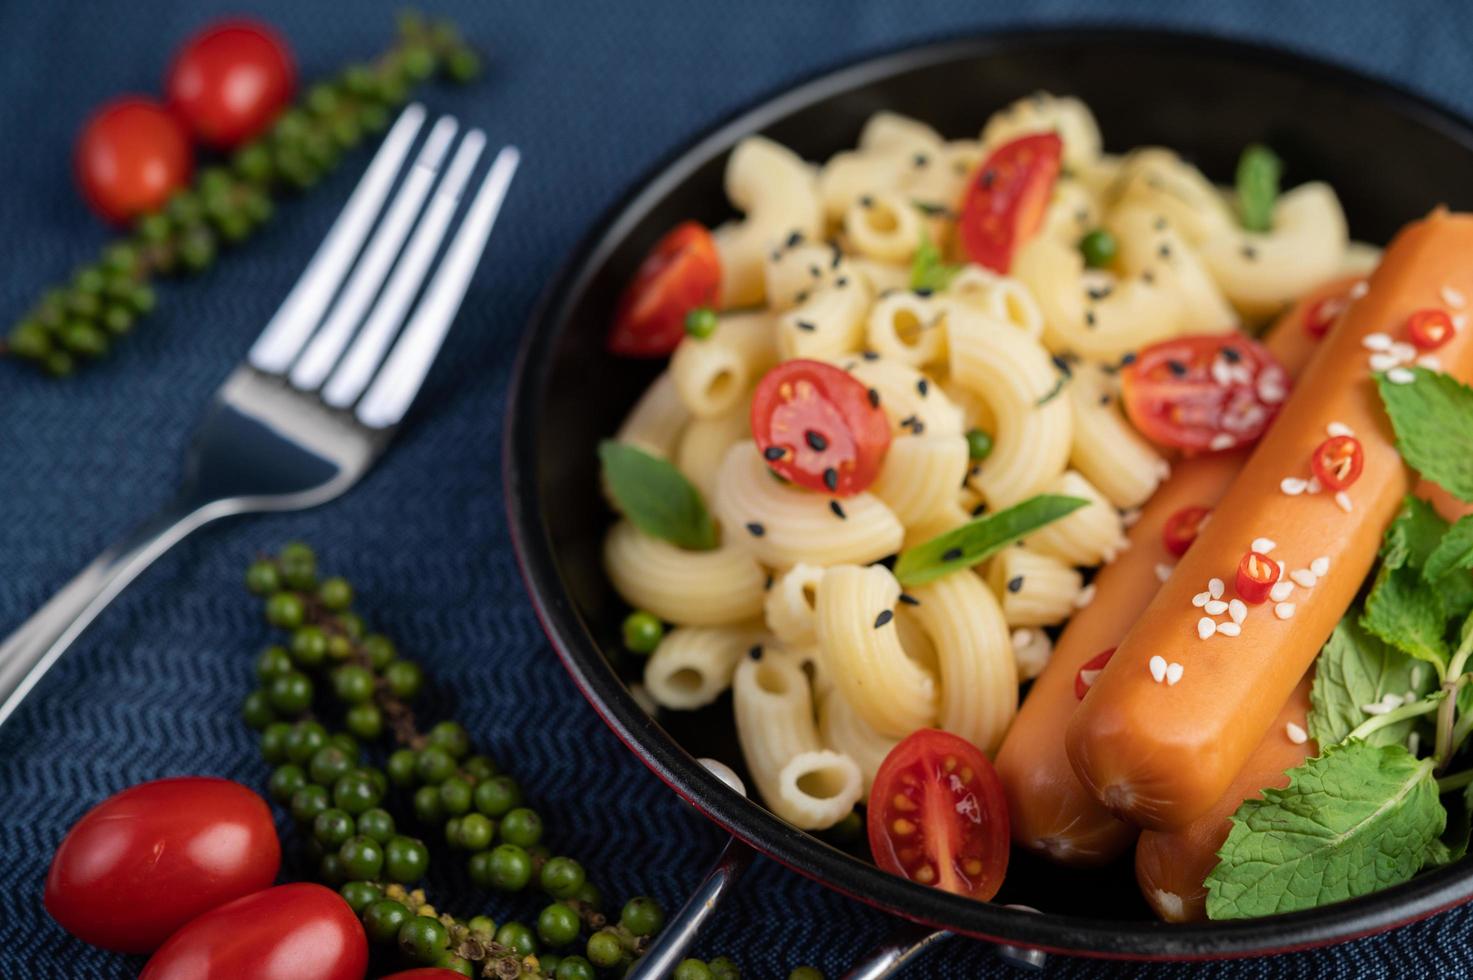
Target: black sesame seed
[
  {"x": 1160, "y": 223},
  {"x": 774, "y": 453},
  {"x": 795, "y": 239},
  {"x": 1127, "y": 359},
  {"x": 883, "y": 618},
  {"x": 815, "y": 441},
  {"x": 777, "y": 256},
  {"x": 831, "y": 479},
  {"x": 979, "y": 510},
  {"x": 801, "y": 298},
  {"x": 874, "y": 398},
  {"x": 923, "y": 291},
  {"x": 951, "y": 554},
  {"x": 920, "y": 159},
  {"x": 1250, "y": 253},
  {"x": 1148, "y": 277},
  {"x": 838, "y": 511},
  {"x": 1164, "y": 251},
  {"x": 870, "y": 355},
  {"x": 841, "y": 282},
  {"x": 1231, "y": 354},
  {"x": 1177, "y": 368},
  {"x": 755, "y": 652},
  {"x": 1061, "y": 363},
  {"x": 804, "y": 325},
  {"x": 1104, "y": 399},
  {"x": 1098, "y": 294},
  {"x": 850, "y": 366},
  {"x": 768, "y": 584},
  {"x": 866, "y": 201},
  {"x": 1082, "y": 216},
  {"x": 1015, "y": 584},
  {"x": 1089, "y": 318},
  {"x": 909, "y": 599},
  {"x": 918, "y": 427},
  {"x": 815, "y": 271},
  {"x": 908, "y": 421},
  {"x": 756, "y": 530},
  {"x": 834, "y": 259},
  {"x": 923, "y": 387}
]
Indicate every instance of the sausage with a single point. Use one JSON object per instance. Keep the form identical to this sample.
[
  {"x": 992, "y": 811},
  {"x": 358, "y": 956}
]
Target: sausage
[
  {"x": 1171, "y": 866},
  {"x": 1160, "y": 754},
  {"x": 1051, "y": 812}
]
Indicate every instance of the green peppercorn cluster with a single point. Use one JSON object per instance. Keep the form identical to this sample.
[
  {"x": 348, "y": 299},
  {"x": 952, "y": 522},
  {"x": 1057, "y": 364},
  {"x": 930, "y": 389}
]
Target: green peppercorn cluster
[
  {"x": 331, "y": 665},
  {"x": 228, "y": 201}
]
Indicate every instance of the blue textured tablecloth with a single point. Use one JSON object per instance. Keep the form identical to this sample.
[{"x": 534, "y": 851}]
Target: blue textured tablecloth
[{"x": 594, "y": 93}]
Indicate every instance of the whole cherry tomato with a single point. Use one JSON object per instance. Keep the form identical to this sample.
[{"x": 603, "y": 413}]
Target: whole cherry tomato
[
  {"x": 147, "y": 860},
  {"x": 681, "y": 273},
  {"x": 290, "y": 932},
  {"x": 230, "y": 81},
  {"x": 819, "y": 428},
  {"x": 131, "y": 155},
  {"x": 1006, "y": 198}
]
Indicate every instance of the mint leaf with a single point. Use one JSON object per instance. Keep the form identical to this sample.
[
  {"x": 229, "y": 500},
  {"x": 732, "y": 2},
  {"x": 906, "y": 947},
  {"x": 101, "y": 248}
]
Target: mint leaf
[
  {"x": 1355, "y": 669},
  {"x": 656, "y": 497},
  {"x": 1259, "y": 169},
  {"x": 1413, "y": 534},
  {"x": 1433, "y": 419},
  {"x": 1354, "y": 820},
  {"x": 1456, "y": 591},
  {"x": 978, "y": 540},
  {"x": 927, "y": 271},
  {"x": 1454, "y": 552},
  {"x": 1454, "y": 841},
  {"x": 1403, "y": 612}
]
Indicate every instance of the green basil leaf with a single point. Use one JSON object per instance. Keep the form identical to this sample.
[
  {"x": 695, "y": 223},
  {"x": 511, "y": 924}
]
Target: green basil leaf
[
  {"x": 980, "y": 539},
  {"x": 1433, "y": 419},
  {"x": 1259, "y": 169},
  {"x": 656, "y": 497},
  {"x": 1356, "y": 669},
  {"x": 927, "y": 271}
]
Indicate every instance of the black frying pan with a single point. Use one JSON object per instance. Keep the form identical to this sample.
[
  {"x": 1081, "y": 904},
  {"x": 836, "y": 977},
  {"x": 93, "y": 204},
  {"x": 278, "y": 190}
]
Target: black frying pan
[{"x": 1391, "y": 156}]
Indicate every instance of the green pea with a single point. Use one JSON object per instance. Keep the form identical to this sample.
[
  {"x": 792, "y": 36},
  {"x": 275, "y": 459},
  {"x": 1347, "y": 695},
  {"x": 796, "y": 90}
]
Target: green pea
[
  {"x": 558, "y": 925},
  {"x": 979, "y": 445},
  {"x": 642, "y": 632},
  {"x": 522, "y": 827},
  {"x": 1098, "y": 248},
  {"x": 360, "y": 895},
  {"x": 366, "y": 720},
  {"x": 642, "y": 916},
  {"x": 700, "y": 322},
  {"x": 354, "y": 793},
  {"x": 423, "y": 938},
  {"x": 405, "y": 859},
  {"x": 383, "y": 919}
]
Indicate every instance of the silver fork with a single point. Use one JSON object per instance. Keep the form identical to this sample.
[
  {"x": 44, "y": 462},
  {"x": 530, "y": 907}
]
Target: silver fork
[{"x": 325, "y": 385}]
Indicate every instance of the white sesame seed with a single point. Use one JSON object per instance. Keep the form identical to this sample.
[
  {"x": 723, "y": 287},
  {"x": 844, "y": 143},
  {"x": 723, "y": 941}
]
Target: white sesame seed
[
  {"x": 1453, "y": 298},
  {"x": 1263, "y": 545},
  {"x": 1304, "y": 577},
  {"x": 1383, "y": 361},
  {"x": 1089, "y": 677},
  {"x": 1163, "y": 571},
  {"x": 1158, "y": 668},
  {"x": 1215, "y": 607},
  {"x": 1206, "y": 627},
  {"x": 1281, "y": 591},
  {"x": 1215, "y": 586},
  {"x": 1320, "y": 566},
  {"x": 1163, "y": 469},
  {"x": 1342, "y": 500},
  {"x": 1312, "y": 485},
  {"x": 1238, "y": 610},
  {"x": 1201, "y": 599},
  {"x": 1403, "y": 350},
  {"x": 1359, "y": 289},
  {"x": 1296, "y": 734},
  {"x": 1460, "y": 320},
  {"x": 1085, "y": 597},
  {"x": 1221, "y": 372},
  {"x": 1339, "y": 429},
  {"x": 1271, "y": 392},
  {"x": 1229, "y": 629},
  {"x": 1173, "y": 673},
  {"x": 1407, "y": 697},
  {"x": 1400, "y": 376},
  {"x": 1414, "y": 742},
  {"x": 1221, "y": 441},
  {"x": 1284, "y": 610},
  {"x": 1129, "y": 516},
  {"x": 1416, "y": 676},
  {"x": 1282, "y": 570},
  {"x": 1021, "y": 638},
  {"x": 1376, "y": 341},
  {"x": 1430, "y": 361},
  {"x": 1375, "y": 709},
  {"x": 1292, "y": 485}
]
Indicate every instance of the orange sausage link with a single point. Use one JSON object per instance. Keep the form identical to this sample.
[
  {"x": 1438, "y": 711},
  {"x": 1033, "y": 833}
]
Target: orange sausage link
[
  {"x": 1051, "y": 812},
  {"x": 1158, "y": 754},
  {"x": 1172, "y": 865}
]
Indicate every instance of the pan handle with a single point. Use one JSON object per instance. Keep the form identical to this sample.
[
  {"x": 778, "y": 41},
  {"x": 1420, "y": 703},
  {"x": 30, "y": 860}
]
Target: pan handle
[
  {"x": 898, "y": 951},
  {"x": 680, "y": 932}
]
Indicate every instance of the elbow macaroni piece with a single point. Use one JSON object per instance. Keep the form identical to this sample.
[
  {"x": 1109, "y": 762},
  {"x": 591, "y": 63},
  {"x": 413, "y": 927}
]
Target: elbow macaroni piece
[
  {"x": 802, "y": 782},
  {"x": 793, "y": 273},
  {"x": 704, "y": 443},
  {"x": 1035, "y": 589},
  {"x": 829, "y": 323},
  {"x": 1090, "y": 535},
  {"x": 693, "y": 665},
  {"x": 999, "y": 297},
  {"x": 920, "y": 477},
  {"x": 842, "y": 730},
  {"x": 790, "y": 606},
  {"x": 1148, "y": 241},
  {"x": 1071, "y": 213},
  {"x": 714, "y": 374},
  {"x": 1160, "y": 182},
  {"x": 1107, "y": 449},
  {"x": 862, "y": 650},
  {"x": 782, "y": 526},
  {"x": 691, "y": 588},
  {"x": 655, "y": 422},
  {"x": 908, "y": 328},
  {"x": 886, "y": 226},
  {"x": 1032, "y": 649},
  {"x": 778, "y": 194},
  {"x": 1042, "y": 112},
  {"x": 900, "y": 390}
]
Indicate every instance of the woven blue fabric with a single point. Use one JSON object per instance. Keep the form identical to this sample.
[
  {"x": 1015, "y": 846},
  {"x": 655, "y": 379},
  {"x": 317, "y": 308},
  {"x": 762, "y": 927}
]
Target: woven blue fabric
[{"x": 594, "y": 93}]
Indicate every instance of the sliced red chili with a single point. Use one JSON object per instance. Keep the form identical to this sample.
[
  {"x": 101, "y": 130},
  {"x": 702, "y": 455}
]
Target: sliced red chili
[
  {"x": 1338, "y": 461},
  {"x": 1430, "y": 329},
  {"x": 1181, "y": 528},
  {"x": 1323, "y": 313},
  {"x": 1084, "y": 678},
  {"x": 1257, "y": 574}
]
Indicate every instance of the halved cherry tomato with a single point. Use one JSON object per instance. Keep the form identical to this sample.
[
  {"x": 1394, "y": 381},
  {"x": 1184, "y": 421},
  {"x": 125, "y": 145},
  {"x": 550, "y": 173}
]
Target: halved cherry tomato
[
  {"x": 1257, "y": 574},
  {"x": 1430, "y": 329},
  {"x": 230, "y": 81},
  {"x": 131, "y": 155},
  {"x": 937, "y": 815},
  {"x": 1323, "y": 313},
  {"x": 819, "y": 428},
  {"x": 290, "y": 932},
  {"x": 1006, "y": 198},
  {"x": 682, "y": 272},
  {"x": 1204, "y": 393},
  {"x": 1089, "y": 670},
  {"x": 1337, "y": 462},
  {"x": 145, "y": 861},
  {"x": 1181, "y": 528}
]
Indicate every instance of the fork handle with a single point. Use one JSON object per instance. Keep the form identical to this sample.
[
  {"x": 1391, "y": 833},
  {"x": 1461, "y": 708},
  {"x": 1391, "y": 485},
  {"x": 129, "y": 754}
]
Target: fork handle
[{"x": 30, "y": 651}]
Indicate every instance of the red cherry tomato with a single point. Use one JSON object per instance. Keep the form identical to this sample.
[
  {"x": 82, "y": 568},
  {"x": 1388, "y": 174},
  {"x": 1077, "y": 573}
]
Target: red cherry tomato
[
  {"x": 1430, "y": 329},
  {"x": 682, "y": 272},
  {"x": 1337, "y": 462},
  {"x": 290, "y": 932},
  {"x": 1324, "y": 312},
  {"x": 230, "y": 81},
  {"x": 1006, "y": 198},
  {"x": 145, "y": 861},
  {"x": 1089, "y": 670},
  {"x": 131, "y": 155},
  {"x": 1181, "y": 528},
  {"x": 1257, "y": 574},
  {"x": 937, "y": 815},
  {"x": 1204, "y": 393},
  {"x": 818, "y": 427}
]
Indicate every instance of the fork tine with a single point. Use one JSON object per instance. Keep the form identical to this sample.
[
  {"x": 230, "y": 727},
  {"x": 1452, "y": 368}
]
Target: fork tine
[
  {"x": 392, "y": 391},
  {"x": 373, "y": 266},
  {"x": 358, "y": 366},
  {"x": 299, "y": 314}
]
